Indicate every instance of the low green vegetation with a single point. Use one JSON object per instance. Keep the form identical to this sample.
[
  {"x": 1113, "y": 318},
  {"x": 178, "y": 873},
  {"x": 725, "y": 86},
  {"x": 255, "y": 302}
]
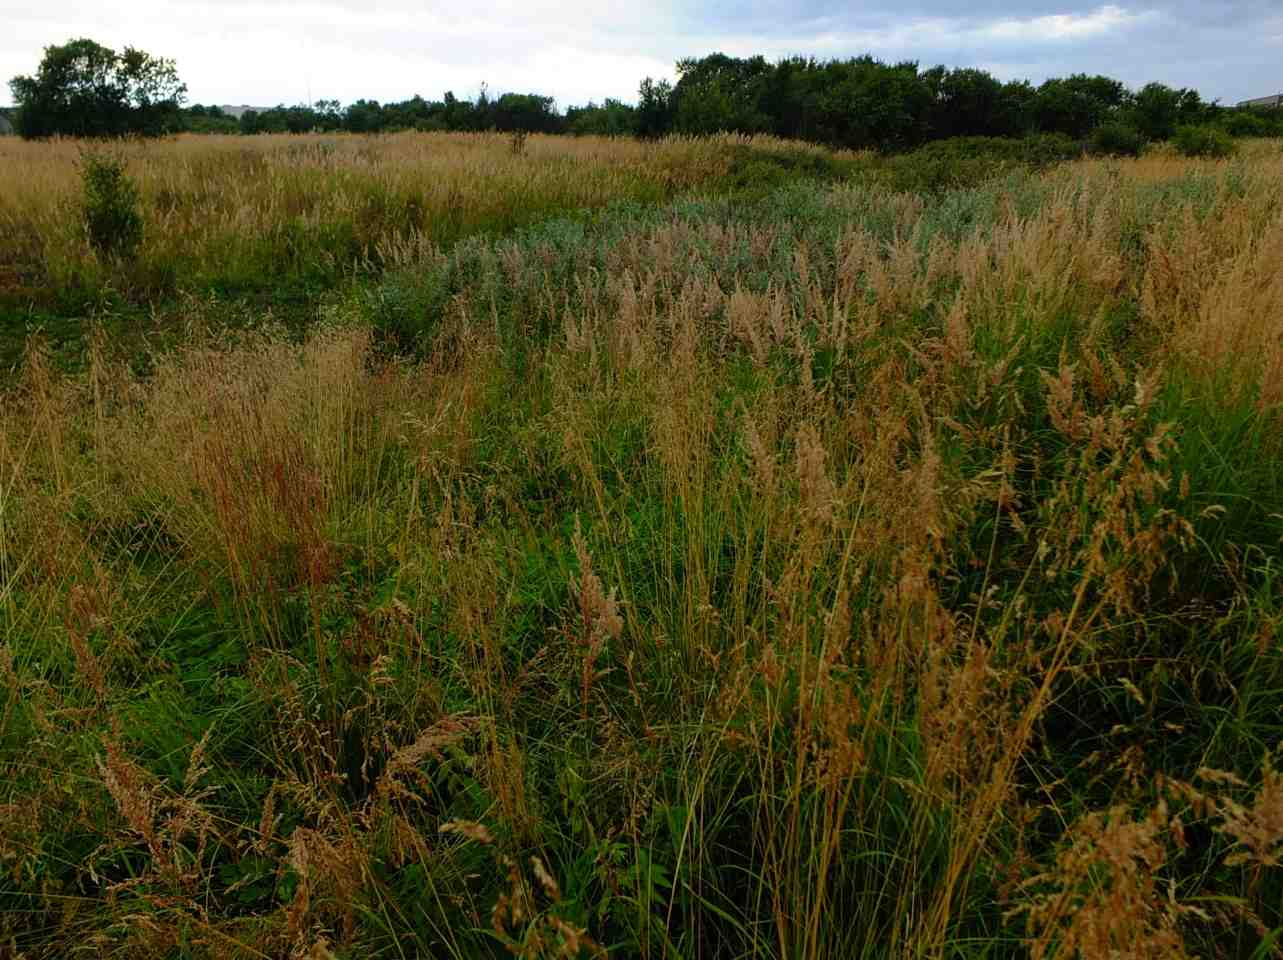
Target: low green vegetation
[
  {"x": 112, "y": 214},
  {"x": 1203, "y": 141}
]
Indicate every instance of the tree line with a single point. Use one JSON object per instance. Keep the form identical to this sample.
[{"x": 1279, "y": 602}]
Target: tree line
[{"x": 83, "y": 89}]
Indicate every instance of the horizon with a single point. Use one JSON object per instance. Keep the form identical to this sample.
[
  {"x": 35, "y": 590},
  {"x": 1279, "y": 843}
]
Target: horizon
[{"x": 1227, "y": 50}]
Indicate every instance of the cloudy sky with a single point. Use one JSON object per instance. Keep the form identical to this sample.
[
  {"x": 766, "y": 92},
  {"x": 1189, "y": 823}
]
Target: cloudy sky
[{"x": 263, "y": 52}]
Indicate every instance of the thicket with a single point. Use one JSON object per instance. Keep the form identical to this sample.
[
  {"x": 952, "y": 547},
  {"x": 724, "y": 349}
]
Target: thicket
[
  {"x": 858, "y": 103},
  {"x": 1203, "y": 140}
]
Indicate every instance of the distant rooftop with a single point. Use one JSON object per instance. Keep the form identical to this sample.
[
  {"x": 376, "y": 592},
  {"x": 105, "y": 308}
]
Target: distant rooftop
[
  {"x": 1275, "y": 100},
  {"x": 236, "y": 111}
]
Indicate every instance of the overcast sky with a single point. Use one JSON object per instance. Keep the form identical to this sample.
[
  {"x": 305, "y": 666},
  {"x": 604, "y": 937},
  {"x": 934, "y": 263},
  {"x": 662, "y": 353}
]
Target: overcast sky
[{"x": 263, "y": 52}]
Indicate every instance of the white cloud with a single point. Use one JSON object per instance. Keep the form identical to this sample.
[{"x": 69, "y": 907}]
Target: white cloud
[
  {"x": 269, "y": 51},
  {"x": 1065, "y": 26},
  {"x": 943, "y": 33}
]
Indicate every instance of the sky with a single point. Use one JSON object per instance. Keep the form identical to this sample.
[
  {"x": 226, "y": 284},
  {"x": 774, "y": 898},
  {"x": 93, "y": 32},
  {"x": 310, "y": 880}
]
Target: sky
[{"x": 263, "y": 52}]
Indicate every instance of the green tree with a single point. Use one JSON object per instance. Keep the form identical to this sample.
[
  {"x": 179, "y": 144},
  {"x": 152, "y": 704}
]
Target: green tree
[
  {"x": 1078, "y": 104},
  {"x": 1157, "y": 110},
  {"x": 864, "y": 103},
  {"x": 654, "y": 108},
  {"x": 528, "y": 112},
  {"x": 610, "y": 119},
  {"x": 969, "y": 103},
  {"x": 83, "y": 89},
  {"x": 365, "y": 116},
  {"x": 718, "y": 93}
]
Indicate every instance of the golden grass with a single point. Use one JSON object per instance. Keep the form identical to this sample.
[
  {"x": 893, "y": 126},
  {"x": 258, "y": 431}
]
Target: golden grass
[
  {"x": 221, "y": 208},
  {"x": 722, "y": 620}
]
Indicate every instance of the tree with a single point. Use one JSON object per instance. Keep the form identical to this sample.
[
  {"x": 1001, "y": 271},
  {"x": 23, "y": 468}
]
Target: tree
[
  {"x": 1077, "y": 104},
  {"x": 721, "y": 94},
  {"x": 610, "y": 119},
  {"x": 365, "y": 116},
  {"x": 654, "y": 108},
  {"x": 969, "y": 103},
  {"x": 83, "y": 89},
  {"x": 1157, "y": 110},
  {"x": 528, "y": 112}
]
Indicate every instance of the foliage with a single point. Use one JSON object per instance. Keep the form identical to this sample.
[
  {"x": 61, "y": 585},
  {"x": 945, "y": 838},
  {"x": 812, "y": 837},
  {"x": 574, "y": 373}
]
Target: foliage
[
  {"x": 654, "y": 108},
  {"x": 1252, "y": 123},
  {"x": 1156, "y": 110},
  {"x": 83, "y": 89},
  {"x": 111, "y": 210},
  {"x": 507, "y": 113},
  {"x": 969, "y": 162},
  {"x": 1117, "y": 139},
  {"x": 857, "y": 103},
  {"x": 611, "y": 119},
  {"x": 1203, "y": 141}
]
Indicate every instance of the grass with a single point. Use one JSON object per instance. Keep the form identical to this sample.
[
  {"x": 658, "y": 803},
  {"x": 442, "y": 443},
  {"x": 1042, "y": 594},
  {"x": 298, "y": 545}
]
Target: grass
[
  {"x": 274, "y": 223},
  {"x": 804, "y": 571}
]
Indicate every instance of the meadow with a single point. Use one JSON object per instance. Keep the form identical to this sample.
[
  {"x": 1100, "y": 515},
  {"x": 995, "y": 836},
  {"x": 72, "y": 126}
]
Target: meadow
[
  {"x": 271, "y": 223},
  {"x": 709, "y": 548}
]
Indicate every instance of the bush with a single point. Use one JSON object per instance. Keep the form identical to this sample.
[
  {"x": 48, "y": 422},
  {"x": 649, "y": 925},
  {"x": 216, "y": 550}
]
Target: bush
[
  {"x": 1042, "y": 150},
  {"x": 1117, "y": 140},
  {"x": 1203, "y": 141},
  {"x": 111, "y": 205},
  {"x": 1241, "y": 123},
  {"x": 964, "y": 162},
  {"x": 757, "y": 170}
]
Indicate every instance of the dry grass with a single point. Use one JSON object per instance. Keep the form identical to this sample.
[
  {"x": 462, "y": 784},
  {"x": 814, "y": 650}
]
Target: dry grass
[
  {"x": 853, "y": 575},
  {"x": 227, "y": 211}
]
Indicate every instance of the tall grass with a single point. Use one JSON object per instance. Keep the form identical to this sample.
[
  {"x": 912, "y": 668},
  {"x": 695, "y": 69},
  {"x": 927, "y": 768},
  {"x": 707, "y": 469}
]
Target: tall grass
[
  {"x": 238, "y": 214},
  {"x": 830, "y": 573}
]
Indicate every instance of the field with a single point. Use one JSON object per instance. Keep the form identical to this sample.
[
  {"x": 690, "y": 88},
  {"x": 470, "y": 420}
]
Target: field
[{"x": 698, "y": 549}]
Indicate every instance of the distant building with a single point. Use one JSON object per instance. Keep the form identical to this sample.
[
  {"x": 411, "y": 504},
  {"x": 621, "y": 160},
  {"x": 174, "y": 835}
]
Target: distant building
[
  {"x": 5, "y": 126},
  {"x": 237, "y": 110},
  {"x": 1259, "y": 102}
]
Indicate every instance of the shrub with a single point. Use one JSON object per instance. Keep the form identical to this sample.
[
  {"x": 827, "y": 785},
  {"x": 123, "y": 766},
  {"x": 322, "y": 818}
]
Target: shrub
[
  {"x": 758, "y": 170},
  {"x": 1242, "y": 123},
  {"x": 1117, "y": 140},
  {"x": 965, "y": 162},
  {"x": 1203, "y": 141},
  {"x": 110, "y": 205},
  {"x": 1041, "y": 150}
]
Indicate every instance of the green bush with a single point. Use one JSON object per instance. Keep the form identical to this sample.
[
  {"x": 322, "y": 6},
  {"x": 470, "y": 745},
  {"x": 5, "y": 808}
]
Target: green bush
[
  {"x": 1117, "y": 140},
  {"x": 110, "y": 205},
  {"x": 965, "y": 162},
  {"x": 757, "y": 171},
  {"x": 1203, "y": 141},
  {"x": 1243, "y": 123},
  {"x": 1041, "y": 150}
]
